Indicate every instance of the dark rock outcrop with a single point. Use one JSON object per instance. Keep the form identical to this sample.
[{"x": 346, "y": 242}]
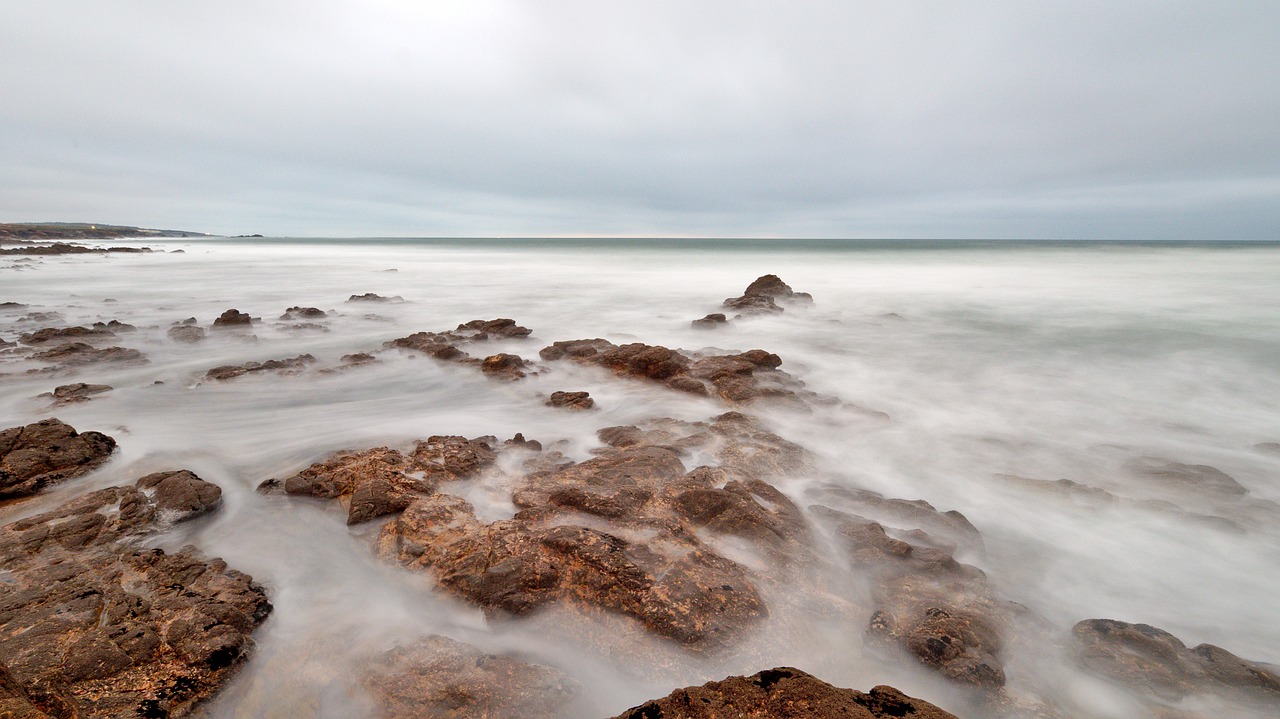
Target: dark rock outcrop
[
  {"x": 79, "y": 353},
  {"x": 571, "y": 400},
  {"x": 231, "y": 319},
  {"x": 45, "y": 453},
  {"x": 372, "y": 297},
  {"x": 289, "y": 366},
  {"x": 503, "y": 366},
  {"x": 444, "y": 346},
  {"x": 783, "y": 692},
  {"x": 438, "y": 678},
  {"x": 304, "y": 313},
  {"x": 711, "y": 321},
  {"x": 1152, "y": 660},
  {"x": 762, "y": 296},
  {"x": 63, "y": 334},
  {"x": 78, "y": 392},
  {"x": 736, "y": 378},
  {"x": 186, "y": 333},
  {"x": 91, "y": 625}
]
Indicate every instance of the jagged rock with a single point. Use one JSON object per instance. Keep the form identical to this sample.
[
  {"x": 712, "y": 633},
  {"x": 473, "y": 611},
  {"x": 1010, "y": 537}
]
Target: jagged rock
[
  {"x": 783, "y": 692},
  {"x": 571, "y": 400},
  {"x": 58, "y": 334},
  {"x": 761, "y": 296},
  {"x": 92, "y": 625},
  {"x": 289, "y": 366},
  {"x": 480, "y": 330},
  {"x": 438, "y": 678},
  {"x": 940, "y": 611},
  {"x": 372, "y": 297},
  {"x": 78, "y": 392},
  {"x": 503, "y": 366},
  {"x": 737, "y": 378},
  {"x": 711, "y": 321},
  {"x": 78, "y": 353},
  {"x": 1153, "y": 660},
  {"x": 377, "y": 482},
  {"x": 231, "y": 319},
  {"x": 303, "y": 313},
  {"x": 45, "y": 453},
  {"x": 188, "y": 333},
  {"x": 444, "y": 345}
]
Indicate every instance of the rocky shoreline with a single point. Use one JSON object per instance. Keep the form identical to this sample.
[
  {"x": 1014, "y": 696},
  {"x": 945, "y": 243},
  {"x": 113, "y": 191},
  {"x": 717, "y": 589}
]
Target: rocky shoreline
[{"x": 678, "y": 531}]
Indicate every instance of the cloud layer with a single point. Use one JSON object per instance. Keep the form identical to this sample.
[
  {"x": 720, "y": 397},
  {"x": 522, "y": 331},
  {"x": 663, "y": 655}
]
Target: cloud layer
[{"x": 1145, "y": 120}]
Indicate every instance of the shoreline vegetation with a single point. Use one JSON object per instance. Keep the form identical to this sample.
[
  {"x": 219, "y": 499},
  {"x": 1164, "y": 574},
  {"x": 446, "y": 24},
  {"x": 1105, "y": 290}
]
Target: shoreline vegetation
[{"x": 29, "y": 232}]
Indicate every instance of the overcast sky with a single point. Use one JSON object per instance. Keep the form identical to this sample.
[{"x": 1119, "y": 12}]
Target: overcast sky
[{"x": 1142, "y": 120}]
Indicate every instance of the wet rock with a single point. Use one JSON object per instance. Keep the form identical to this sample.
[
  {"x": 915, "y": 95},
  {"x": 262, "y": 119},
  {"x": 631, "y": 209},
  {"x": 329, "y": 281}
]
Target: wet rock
[
  {"x": 438, "y": 678},
  {"x": 481, "y": 330},
  {"x": 79, "y": 353},
  {"x": 783, "y": 692},
  {"x": 303, "y": 313},
  {"x": 381, "y": 481},
  {"x": 711, "y": 321},
  {"x": 371, "y": 297},
  {"x": 736, "y": 378},
  {"x": 444, "y": 346},
  {"x": 762, "y": 296},
  {"x": 47, "y": 452},
  {"x": 289, "y": 366},
  {"x": 1152, "y": 660},
  {"x": 1186, "y": 477},
  {"x": 114, "y": 325},
  {"x": 938, "y": 610},
  {"x": 186, "y": 333},
  {"x": 571, "y": 400},
  {"x": 232, "y": 319},
  {"x": 503, "y": 366},
  {"x": 519, "y": 441},
  {"x": 62, "y": 334},
  {"x": 92, "y": 625},
  {"x": 78, "y": 392}
]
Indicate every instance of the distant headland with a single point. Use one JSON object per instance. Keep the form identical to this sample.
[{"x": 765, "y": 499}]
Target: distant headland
[{"x": 82, "y": 231}]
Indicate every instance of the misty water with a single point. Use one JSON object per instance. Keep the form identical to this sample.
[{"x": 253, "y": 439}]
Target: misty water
[{"x": 993, "y": 361}]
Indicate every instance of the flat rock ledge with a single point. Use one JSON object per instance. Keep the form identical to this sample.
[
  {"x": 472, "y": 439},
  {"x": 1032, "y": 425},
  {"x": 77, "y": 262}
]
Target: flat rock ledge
[
  {"x": 783, "y": 692},
  {"x": 45, "y": 453},
  {"x": 92, "y": 625}
]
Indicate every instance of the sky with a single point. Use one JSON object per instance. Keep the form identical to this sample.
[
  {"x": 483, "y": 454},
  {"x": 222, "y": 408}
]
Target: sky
[{"x": 1050, "y": 119}]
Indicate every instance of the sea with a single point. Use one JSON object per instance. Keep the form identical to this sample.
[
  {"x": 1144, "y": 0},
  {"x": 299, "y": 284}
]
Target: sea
[{"x": 963, "y": 369}]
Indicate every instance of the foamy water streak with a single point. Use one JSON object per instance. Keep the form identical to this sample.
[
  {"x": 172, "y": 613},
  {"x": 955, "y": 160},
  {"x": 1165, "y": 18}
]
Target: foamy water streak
[{"x": 993, "y": 361}]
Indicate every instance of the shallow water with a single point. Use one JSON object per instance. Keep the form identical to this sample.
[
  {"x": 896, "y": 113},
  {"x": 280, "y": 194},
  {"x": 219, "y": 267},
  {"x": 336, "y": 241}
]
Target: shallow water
[{"x": 1043, "y": 361}]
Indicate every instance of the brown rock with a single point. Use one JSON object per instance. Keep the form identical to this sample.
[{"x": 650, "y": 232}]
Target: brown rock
[
  {"x": 45, "y": 453},
  {"x": 371, "y": 297},
  {"x": 91, "y": 625},
  {"x": 232, "y": 319},
  {"x": 1195, "y": 478},
  {"x": 186, "y": 333},
  {"x": 77, "y": 353},
  {"x": 78, "y": 392},
  {"x": 114, "y": 325},
  {"x": 783, "y": 692},
  {"x": 303, "y": 313},
  {"x": 438, "y": 678},
  {"x": 761, "y": 296},
  {"x": 289, "y": 366},
  {"x": 571, "y": 400},
  {"x": 1152, "y": 660},
  {"x": 503, "y": 366},
  {"x": 711, "y": 321},
  {"x": 62, "y": 334}
]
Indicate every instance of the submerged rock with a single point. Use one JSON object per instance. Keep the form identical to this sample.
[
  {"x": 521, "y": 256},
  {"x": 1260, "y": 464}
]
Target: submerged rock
[
  {"x": 372, "y": 297},
  {"x": 571, "y": 400},
  {"x": 1153, "y": 660},
  {"x": 92, "y": 625},
  {"x": 444, "y": 346},
  {"x": 78, "y": 353},
  {"x": 1194, "y": 478},
  {"x": 78, "y": 392},
  {"x": 711, "y": 321},
  {"x": 291, "y": 365},
  {"x": 783, "y": 692},
  {"x": 303, "y": 313},
  {"x": 59, "y": 334},
  {"x": 186, "y": 333},
  {"x": 438, "y": 678},
  {"x": 47, "y": 452}
]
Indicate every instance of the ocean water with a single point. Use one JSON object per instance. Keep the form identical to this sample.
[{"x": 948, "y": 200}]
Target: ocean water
[{"x": 1045, "y": 361}]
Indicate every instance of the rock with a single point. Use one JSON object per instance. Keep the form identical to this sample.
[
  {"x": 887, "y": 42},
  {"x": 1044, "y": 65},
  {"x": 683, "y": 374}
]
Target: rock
[
  {"x": 571, "y": 400},
  {"x": 783, "y": 692},
  {"x": 58, "y": 334},
  {"x": 371, "y": 297},
  {"x": 761, "y": 296},
  {"x": 186, "y": 333},
  {"x": 1186, "y": 477},
  {"x": 93, "y": 625},
  {"x": 480, "y": 330},
  {"x": 438, "y": 678},
  {"x": 114, "y": 325},
  {"x": 47, "y": 452},
  {"x": 289, "y": 366},
  {"x": 1268, "y": 448},
  {"x": 503, "y": 366},
  {"x": 232, "y": 319},
  {"x": 78, "y": 353},
  {"x": 78, "y": 392},
  {"x": 735, "y": 378},
  {"x": 303, "y": 313},
  {"x": 938, "y": 610},
  {"x": 711, "y": 321},
  {"x": 1152, "y": 660}
]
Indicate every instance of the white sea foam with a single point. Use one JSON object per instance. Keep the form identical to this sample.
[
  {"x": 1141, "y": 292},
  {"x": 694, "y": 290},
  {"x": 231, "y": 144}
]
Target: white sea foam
[{"x": 1040, "y": 362}]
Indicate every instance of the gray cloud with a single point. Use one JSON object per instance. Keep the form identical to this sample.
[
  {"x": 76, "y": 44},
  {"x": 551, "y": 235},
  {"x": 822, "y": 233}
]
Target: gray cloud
[{"x": 1056, "y": 119}]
